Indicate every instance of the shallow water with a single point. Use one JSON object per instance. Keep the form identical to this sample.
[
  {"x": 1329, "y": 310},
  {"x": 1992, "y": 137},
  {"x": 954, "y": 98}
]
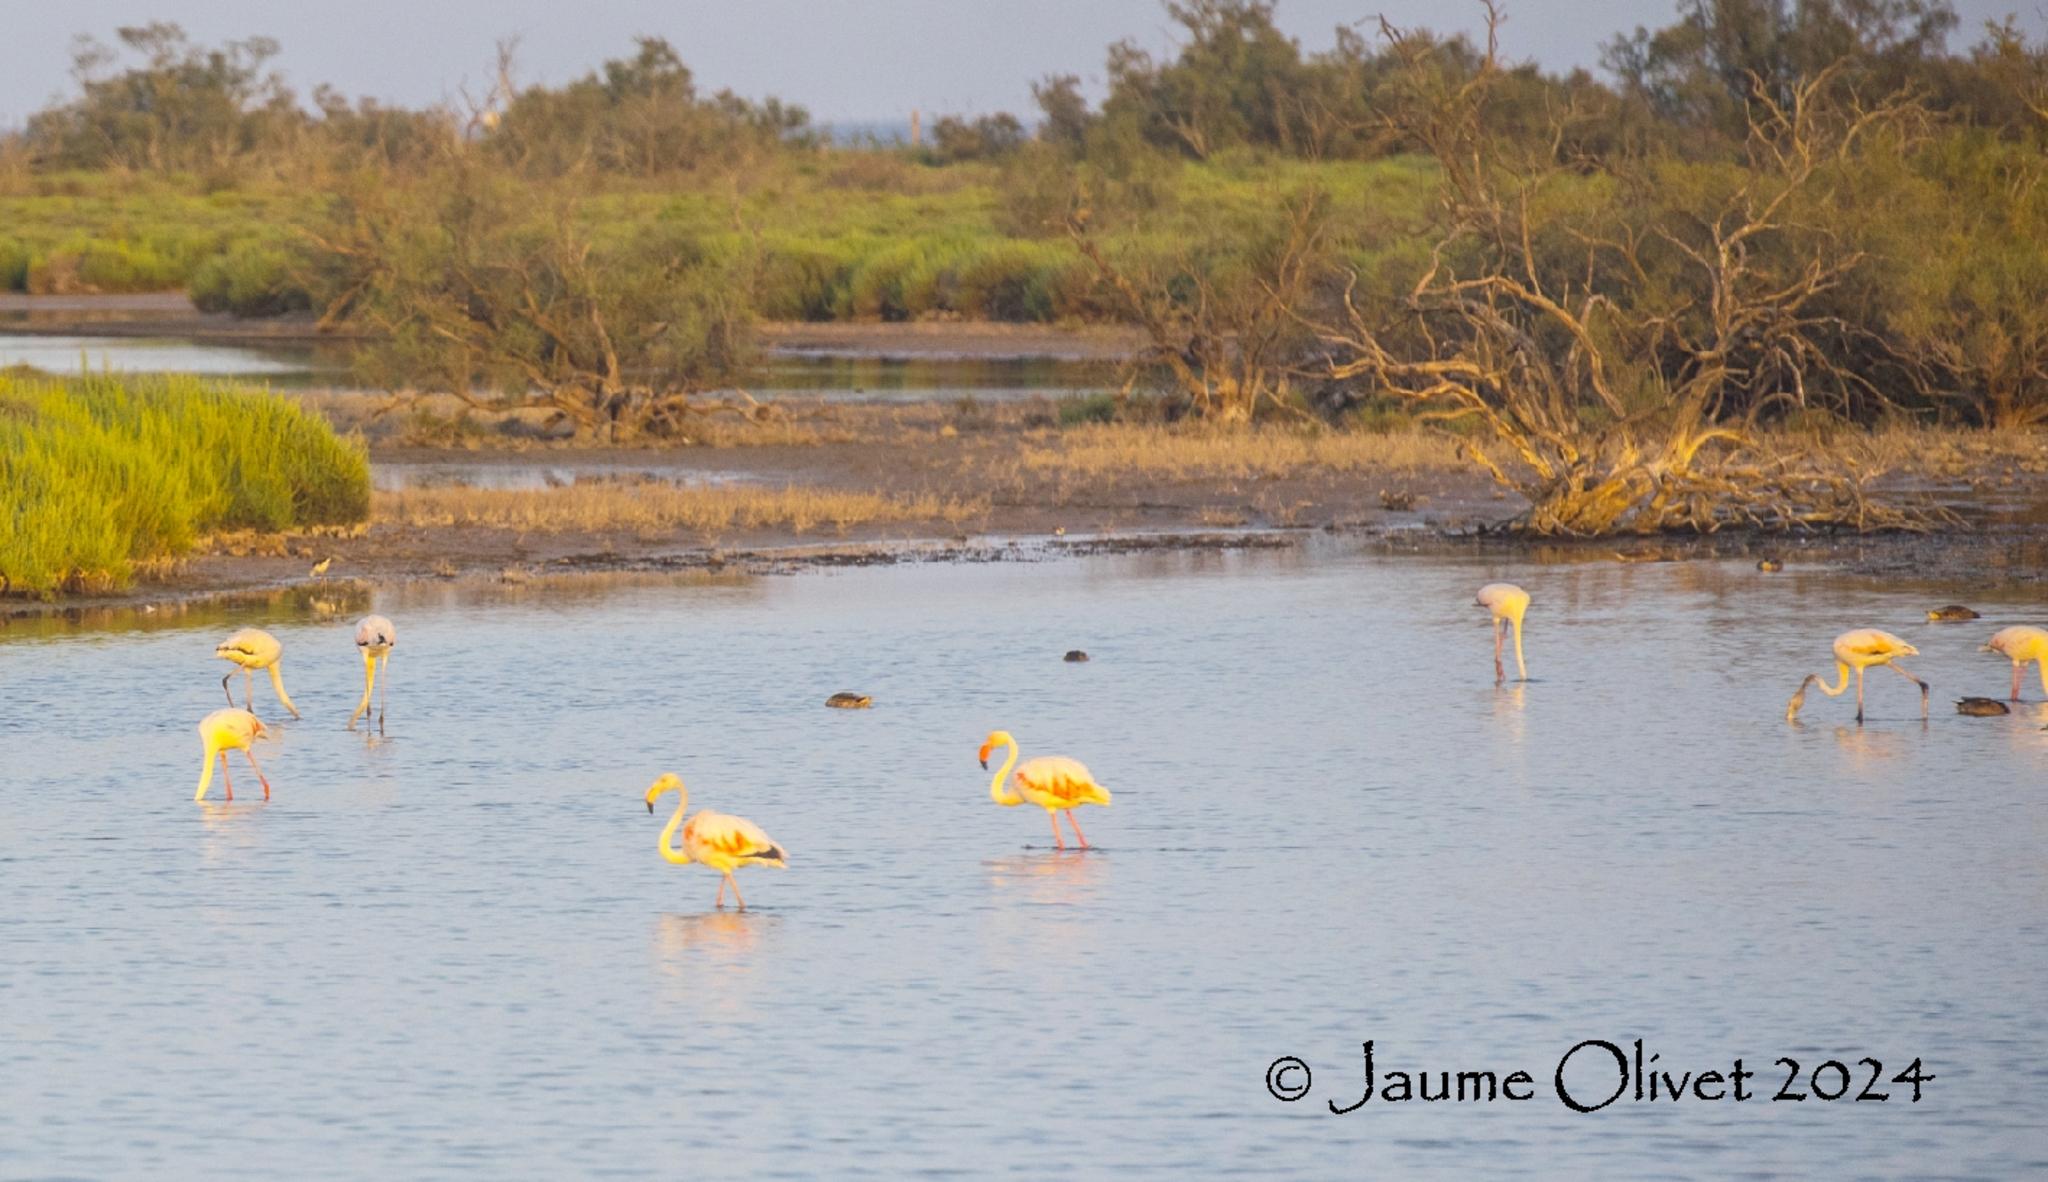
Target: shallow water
[
  {"x": 823, "y": 377},
  {"x": 284, "y": 363},
  {"x": 455, "y": 948}
]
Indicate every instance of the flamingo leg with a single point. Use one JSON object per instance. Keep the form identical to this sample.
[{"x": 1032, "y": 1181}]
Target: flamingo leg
[
  {"x": 1916, "y": 681},
  {"x": 1077, "y": 829},
  {"x": 384, "y": 693},
  {"x": 1500, "y": 636},
  {"x": 1058, "y": 839},
  {"x": 737, "y": 897},
  {"x": 248, "y": 691},
  {"x": 225, "y": 779},
  {"x": 2016, "y": 681},
  {"x": 231, "y": 694},
  {"x": 251, "y": 756},
  {"x": 1859, "y": 695},
  {"x": 721, "y": 891}
]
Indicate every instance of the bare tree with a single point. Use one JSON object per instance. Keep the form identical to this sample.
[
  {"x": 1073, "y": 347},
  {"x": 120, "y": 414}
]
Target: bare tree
[
  {"x": 1621, "y": 361},
  {"x": 1228, "y": 335}
]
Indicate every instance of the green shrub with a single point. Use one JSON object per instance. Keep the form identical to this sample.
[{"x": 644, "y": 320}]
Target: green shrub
[
  {"x": 14, "y": 260},
  {"x": 251, "y": 278},
  {"x": 102, "y": 473}
]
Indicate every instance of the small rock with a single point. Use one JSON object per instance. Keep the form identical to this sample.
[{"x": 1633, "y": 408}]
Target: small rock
[
  {"x": 1075, "y": 655},
  {"x": 846, "y": 700}
]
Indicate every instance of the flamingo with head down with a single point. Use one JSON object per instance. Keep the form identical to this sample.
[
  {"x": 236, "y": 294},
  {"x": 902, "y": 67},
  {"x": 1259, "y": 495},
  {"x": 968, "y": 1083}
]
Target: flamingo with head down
[
  {"x": 1860, "y": 650},
  {"x": 1507, "y": 603},
  {"x": 374, "y": 638},
  {"x": 228, "y": 730},
  {"x": 249, "y": 650},
  {"x": 2020, "y": 644}
]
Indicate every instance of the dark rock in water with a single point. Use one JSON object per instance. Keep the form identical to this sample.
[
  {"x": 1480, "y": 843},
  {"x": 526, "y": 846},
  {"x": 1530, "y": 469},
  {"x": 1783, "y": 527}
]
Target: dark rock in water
[
  {"x": 1954, "y": 611},
  {"x": 1982, "y": 707},
  {"x": 849, "y": 701},
  {"x": 1075, "y": 655}
]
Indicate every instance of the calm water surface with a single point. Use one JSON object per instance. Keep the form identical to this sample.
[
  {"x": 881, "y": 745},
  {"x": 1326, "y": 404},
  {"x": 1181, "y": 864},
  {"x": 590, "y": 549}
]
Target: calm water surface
[
  {"x": 455, "y": 948},
  {"x": 782, "y": 375}
]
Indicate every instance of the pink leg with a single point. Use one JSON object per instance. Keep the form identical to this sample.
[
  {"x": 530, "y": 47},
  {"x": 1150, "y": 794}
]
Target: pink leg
[
  {"x": 2015, "y": 681},
  {"x": 1500, "y": 671},
  {"x": 1915, "y": 681},
  {"x": 737, "y": 897},
  {"x": 1077, "y": 829},
  {"x": 721, "y": 892},
  {"x": 1058, "y": 838},
  {"x": 254, "y": 764},
  {"x": 1859, "y": 694},
  {"x": 224, "y": 775}
]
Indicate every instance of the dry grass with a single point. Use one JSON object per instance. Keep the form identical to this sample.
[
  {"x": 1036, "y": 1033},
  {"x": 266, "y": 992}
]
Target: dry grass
[
  {"x": 1177, "y": 453},
  {"x": 651, "y": 508},
  {"x": 1949, "y": 452}
]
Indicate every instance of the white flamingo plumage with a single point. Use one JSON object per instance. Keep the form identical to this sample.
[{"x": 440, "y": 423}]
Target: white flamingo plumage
[{"x": 374, "y": 637}]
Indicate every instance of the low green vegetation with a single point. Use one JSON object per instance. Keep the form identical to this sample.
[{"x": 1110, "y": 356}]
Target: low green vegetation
[
  {"x": 101, "y": 476},
  {"x": 1762, "y": 212}
]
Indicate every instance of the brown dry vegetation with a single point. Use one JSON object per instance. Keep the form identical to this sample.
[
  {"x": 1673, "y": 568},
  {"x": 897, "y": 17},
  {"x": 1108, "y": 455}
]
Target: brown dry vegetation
[
  {"x": 1186, "y": 454},
  {"x": 596, "y": 507}
]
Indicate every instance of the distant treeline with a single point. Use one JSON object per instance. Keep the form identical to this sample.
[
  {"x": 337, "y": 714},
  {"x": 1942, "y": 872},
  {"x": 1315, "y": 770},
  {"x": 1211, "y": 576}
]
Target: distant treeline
[{"x": 156, "y": 102}]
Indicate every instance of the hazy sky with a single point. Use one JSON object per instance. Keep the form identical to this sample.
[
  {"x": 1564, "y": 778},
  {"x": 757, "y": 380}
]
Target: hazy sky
[{"x": 843, "y": 59}]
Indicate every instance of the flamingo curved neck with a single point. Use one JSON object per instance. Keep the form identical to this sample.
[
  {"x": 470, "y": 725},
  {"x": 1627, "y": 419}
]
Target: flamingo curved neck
[
  {"x": 206, "y": 773},
  {"x": 1841, "y": 680},
  {"x": 669, "y": 851},
  {"x": 277, "y": 683},
  {"x": 369, "y": 682},
  {"x": 996, "y": 787}
]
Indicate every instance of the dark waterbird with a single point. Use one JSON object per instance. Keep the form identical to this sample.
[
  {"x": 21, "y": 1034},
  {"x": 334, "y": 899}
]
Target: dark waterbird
[{"x": 1981, "y": 707}]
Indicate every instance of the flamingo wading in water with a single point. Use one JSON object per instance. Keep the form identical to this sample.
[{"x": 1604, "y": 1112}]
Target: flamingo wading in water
[
  {"x": 718, "y": 840},
  {"x": 1860, "y": 650},
  {"x": 374, "y": 637},
  {"x": 1052, "y": 782},
  {"x": 2022, "y": 643},
  {"x": 1506, "y": 602},
  {"x": 232, "y": 729},
  {"x": 252, "y": 649}
]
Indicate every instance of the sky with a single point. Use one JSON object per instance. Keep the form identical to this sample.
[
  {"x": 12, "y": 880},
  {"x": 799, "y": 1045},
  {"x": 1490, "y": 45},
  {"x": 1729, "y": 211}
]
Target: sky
[{"x": 844, "y": 60}]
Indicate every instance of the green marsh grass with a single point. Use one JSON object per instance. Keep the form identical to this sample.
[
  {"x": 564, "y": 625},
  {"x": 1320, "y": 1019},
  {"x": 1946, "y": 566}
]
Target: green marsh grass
[{"x": 103, "y": 474}]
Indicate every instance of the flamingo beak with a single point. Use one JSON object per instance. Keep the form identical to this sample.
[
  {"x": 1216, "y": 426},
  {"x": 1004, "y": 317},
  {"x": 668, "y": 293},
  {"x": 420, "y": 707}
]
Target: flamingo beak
[
  {"x": 984, "y": 765},
  {"x": 650, "y": 808}
]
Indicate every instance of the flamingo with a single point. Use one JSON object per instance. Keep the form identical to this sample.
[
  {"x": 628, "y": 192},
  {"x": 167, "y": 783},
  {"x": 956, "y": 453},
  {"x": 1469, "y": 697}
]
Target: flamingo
[
  {"x": 227, "y": 730},
  {"x": 374, "y": 637},
  {"x": 252, "y": 649},
  {"x": 1052, "y": 782},
  {"x": 718, "y": 840},
  {"x": 1506, "y": 602},
  {"x": 1860, "y": 649},
  {"x": 2022, "y": 643}
]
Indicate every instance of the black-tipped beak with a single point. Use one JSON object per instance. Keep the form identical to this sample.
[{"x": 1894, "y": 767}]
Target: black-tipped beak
[
  {"x": 984, "y": 765},
  {"x": 650, "y": 808}
]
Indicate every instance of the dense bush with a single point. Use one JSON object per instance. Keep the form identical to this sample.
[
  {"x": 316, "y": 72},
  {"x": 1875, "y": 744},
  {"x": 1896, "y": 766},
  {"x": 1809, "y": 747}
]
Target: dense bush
[{"x": 102, "y": 473}]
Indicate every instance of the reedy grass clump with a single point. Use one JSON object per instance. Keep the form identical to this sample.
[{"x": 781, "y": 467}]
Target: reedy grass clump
[
  {"x": 649, "y": 508},
  {"x": 103, "y": 474}
]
